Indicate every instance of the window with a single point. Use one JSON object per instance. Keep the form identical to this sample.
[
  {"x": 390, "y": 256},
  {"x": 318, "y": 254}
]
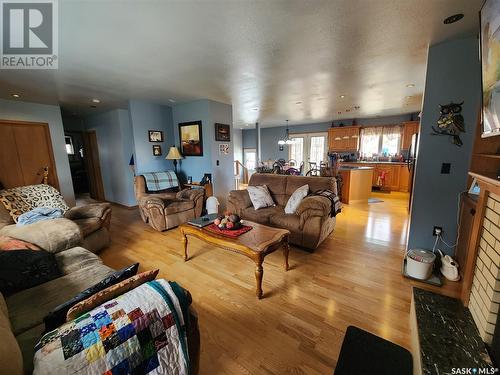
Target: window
[
  {"x": 296, "y": 150},
  {"x": 250, "y": 158},
  {"x": 317, "y": 151},
  {"x": 380, "y": 140}
]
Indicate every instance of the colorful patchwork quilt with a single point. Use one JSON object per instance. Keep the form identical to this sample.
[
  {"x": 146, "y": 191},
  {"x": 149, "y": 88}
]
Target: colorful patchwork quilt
[{"x": 140, "y": 332}]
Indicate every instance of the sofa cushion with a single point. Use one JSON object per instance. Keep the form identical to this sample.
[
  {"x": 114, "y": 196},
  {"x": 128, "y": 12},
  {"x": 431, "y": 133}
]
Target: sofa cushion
[
  {"x": 88, "y": 225},
  {"x": 75, "y": 259},
  {"x": 5, "y": 218},
  {"x": 262, "y": 215},
  {"x": 13, "y": 203},
  {"x": 23, "y": 269},
  {"x": 178, "y": 205},
  {"x": 260, "y": 196},
  {"x": 11, "y": 360},
  {"x": 28, "y": 308},
  {"x": 295, "y": 199},
  {"x": 276, "y": 185},
  {"x": 286, "y": 221}
]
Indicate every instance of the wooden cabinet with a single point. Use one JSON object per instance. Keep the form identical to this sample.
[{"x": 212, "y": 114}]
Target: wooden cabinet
[
  {"x": 343, "y": 139},
  {"x": 467, "y": 213},
  {"x": 397, "y": 176},
  {"x": 409, "y": 128},
  {"x": 404, "y": 179}
]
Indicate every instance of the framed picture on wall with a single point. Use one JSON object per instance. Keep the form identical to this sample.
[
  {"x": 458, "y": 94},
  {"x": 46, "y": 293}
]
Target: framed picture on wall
[
  {"x": 224, "y": 149},
  {"x": 191, "y": 138},
  {"x": 222, "y": 132},
  {"x": 155, "y": 135},
  {"x": 156, "y": 150}
]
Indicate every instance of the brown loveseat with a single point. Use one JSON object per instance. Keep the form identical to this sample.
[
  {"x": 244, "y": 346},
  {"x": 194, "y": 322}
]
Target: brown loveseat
[
  {"x": 167, "y": 209},
  {"x": 311, "y": 223},
  {"x": 92, "y": 219}
]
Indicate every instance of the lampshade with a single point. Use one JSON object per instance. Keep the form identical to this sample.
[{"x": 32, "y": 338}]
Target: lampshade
[{"x": 173, "y": 154}]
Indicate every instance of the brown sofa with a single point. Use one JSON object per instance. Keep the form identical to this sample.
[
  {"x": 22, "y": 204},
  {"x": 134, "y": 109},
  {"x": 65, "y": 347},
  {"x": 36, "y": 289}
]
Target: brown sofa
[
  {"x": 311, "y": 223},
  {"x": 22, "y": 313},
  {"x": 92, "y": 219},
  {"x": 167, "y": 209}
]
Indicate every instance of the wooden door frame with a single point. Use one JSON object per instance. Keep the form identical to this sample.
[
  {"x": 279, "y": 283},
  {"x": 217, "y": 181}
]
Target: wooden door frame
[
  {"x": 46, "y": 128},
  {"x": 94, "y": 170}
]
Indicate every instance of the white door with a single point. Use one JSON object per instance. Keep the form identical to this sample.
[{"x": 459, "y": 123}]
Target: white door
[{"x": 309, "y": 148}]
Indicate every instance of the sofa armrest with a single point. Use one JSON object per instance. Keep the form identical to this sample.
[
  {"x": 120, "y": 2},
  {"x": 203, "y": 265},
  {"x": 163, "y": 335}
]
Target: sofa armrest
[
  {"x": 191, "y": 194},
  {"x": 52, "y": 235},
  {"x": 152, "y": 202},
  {"x": 238, "y": 200},
  {"x": 99, "y": 210},
  {"x": 320, "y": 206}
]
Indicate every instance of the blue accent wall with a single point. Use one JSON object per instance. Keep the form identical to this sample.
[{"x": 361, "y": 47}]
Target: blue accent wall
[
  {"x": 50, "y": 114},
  {"x": 115, "y": 144},
  {"x": 146, "y": 116},
  {"x": 453, "y": 75}
]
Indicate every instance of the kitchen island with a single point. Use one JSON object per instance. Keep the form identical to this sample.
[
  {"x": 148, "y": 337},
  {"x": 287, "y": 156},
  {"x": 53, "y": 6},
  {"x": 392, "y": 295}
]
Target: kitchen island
[
  {"x": 356, "y": 183},
  {"x": 396, "y": 174}
]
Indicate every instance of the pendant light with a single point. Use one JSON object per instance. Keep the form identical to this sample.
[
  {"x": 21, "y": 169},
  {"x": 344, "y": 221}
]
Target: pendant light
[{"x": 287, "y": 140}]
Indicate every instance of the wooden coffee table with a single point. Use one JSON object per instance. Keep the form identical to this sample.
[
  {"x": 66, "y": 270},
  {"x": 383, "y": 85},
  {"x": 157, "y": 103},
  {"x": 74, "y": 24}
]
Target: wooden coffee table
[{"x": 254, "y": 244}]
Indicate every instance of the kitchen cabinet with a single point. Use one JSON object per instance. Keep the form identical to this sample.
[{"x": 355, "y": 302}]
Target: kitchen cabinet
[
  {"x": 343, "y": 139},
  {"x": 467, "y": 213},
  {"x": 409, "y": 128},
  {"x": 397, "y": 176}
]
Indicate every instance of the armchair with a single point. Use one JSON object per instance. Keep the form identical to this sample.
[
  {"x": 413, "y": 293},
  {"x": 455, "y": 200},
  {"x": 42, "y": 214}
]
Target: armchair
[{"x": 167, "y": 209}]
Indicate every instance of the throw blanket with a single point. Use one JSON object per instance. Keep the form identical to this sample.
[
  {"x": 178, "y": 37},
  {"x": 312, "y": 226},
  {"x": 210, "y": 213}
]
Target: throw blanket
[
  {"x": 140, "y": 332},
  {"x": 334, "y": 200},
  {"x": 161, "y": 180},
  {"x": 39, "y": 214}
]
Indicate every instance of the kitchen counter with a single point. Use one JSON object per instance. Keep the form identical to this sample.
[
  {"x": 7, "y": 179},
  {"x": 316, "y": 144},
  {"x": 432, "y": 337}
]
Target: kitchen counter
[
  {"x": 387, "y": 175},
  {"x": 374, "y": 162},
  {"x": 356, "y": 183}
]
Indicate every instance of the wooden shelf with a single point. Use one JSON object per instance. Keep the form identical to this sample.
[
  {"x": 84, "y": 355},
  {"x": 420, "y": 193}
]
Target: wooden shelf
[{"x": 493, "y": 156}]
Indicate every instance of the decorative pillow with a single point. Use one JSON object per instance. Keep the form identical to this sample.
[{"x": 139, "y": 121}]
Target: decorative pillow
[
  {"x": 14, "y": 203},
  {"x": 57, "y": 317},
  {"x": 41, "y": 196},
  {"x": 260, "y": 196},
  {"x": 109, "y": 293},
  {"x": 10, "y": 243},
  {"x": 295, "y": 199},
  {"x": 24, "y": 269}
]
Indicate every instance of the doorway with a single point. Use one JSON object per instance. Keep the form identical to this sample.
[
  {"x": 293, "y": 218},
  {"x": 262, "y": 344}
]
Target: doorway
[
  {"x": 83, "y": 155},
  {"x": 309, "y": 148}
]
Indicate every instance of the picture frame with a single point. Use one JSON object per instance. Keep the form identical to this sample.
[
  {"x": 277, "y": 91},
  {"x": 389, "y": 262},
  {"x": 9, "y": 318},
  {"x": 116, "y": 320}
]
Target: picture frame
[
  {"x": 155, "y": 135},
  {"x": 191, "y": 138},
  {"x": 224, "y": 149},
  {"x": 156, "y": 150},
  {"x": 489, "y": 39},
  {"x": 474, "y": 189},
  {"x": 222, "y": 132}
]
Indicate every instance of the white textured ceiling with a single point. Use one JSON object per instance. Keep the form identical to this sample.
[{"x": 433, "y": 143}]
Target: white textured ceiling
[{"x": 272, "y": 60}]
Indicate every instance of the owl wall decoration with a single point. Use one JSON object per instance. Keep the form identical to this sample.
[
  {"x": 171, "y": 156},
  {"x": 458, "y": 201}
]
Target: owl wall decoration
[{"x": 450, "y": 122}]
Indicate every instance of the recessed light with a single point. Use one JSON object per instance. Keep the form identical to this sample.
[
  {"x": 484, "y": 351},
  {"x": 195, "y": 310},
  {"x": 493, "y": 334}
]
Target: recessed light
[
  {"x": 96, "y": 101},
  {"x": 298, "y": 103},
  {"x": 342, "y": 96},
  {"x": 410, "y": 85},
  {"x": 454, "y": 18},
  {"x": 16, "y": 95},
  {"x": 256, "y": 108},
  {"x": 171, "y": 100}
]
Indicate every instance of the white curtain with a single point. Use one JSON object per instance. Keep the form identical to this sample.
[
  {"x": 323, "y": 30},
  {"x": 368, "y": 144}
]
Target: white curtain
[
  {"x": 391, "y": 140},
  {"x": 370, "y": 140}
]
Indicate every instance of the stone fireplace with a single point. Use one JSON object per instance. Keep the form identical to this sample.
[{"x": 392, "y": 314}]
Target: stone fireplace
[{"x": 484, "y": 300}]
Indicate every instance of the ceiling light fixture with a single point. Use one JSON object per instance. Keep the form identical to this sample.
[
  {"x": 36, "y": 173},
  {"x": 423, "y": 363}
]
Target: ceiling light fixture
[
  {"x": 342, "y": 96},
  {"x": 409, "y": 85},
  {"x": 16, "y": 95},
  {"x": 96, "y": 101},
  {"x": 454, "y": 18},
  {"x": 298, "y": 103},
  {"x": 287, "y": 140},
  {"x": 171, "y": 100},
  {"x": 256, "y": 108}
]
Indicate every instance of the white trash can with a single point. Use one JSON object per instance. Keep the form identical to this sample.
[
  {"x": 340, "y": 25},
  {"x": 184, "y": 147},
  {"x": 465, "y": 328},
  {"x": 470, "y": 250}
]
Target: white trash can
[
  {"x": 420, "y": 263},
  {"x": 212, "y": 205}
]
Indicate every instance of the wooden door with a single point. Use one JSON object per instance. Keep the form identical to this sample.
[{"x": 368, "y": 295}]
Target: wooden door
[
  {"x": 92, "y": 165},
  {"x": 26, "y": 150}
]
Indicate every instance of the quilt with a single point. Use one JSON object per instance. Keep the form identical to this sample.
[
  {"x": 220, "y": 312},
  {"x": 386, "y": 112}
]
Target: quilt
[
  {"x": 156, "y": 181},
  {"x": 139, "y": 332}
]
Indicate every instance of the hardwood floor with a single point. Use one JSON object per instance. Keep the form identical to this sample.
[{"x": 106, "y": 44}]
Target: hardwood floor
[{"x": 353, "y": 278}]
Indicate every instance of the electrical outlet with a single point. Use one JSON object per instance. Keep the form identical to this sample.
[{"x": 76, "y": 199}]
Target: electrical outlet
[{"x": 435, "y": 231}]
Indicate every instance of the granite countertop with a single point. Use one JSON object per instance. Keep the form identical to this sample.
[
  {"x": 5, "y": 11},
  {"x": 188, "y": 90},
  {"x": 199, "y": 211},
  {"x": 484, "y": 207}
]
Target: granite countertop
[
  {"x": 375, "y": 162},
  {"x": 448, "y": 335},
  {"x": 356, "y": 168}
]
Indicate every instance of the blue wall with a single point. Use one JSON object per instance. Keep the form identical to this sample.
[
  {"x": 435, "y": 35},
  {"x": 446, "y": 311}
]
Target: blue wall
[
  {"x": 271, "y": 136},
  {"x": 115, "y": 143},
  {"x": 453, "y": 74},
  {"x": 50, "y": 114},
  {"x": 146, "y": 116}
]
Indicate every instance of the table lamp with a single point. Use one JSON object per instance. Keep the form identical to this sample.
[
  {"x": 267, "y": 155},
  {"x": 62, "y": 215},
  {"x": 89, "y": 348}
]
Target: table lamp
[{"x": 174, "y": 154}]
